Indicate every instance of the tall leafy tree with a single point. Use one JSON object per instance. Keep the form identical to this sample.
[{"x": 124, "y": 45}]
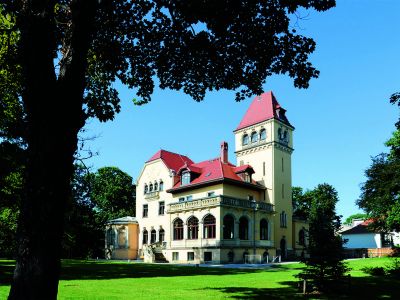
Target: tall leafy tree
[
  {"x": 301, "y": 202},
  {"x": 380, "y": 193},
  {"x": 70, "y": 53},
  {"x": 325, "y": 247},
  {"x": 112, "y": 193}
]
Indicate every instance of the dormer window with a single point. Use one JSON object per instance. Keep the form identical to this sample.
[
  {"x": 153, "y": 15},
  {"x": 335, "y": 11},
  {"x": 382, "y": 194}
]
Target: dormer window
[
  {"x": 254, "y": 137},
  {"x": 245, "y": 140},
  {"x": 185, "y": 178},
  {"x": 263, "y": 134}
]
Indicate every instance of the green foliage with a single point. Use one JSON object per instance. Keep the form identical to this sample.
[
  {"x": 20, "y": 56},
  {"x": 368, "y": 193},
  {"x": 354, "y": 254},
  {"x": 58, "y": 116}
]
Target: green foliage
[
  {"x": 374, "y": 271},
  {"x": 325, "y": 247},
  {"x": 349, "y": 219},
  {"x": 392, "y": 269},
  {"x": 113, "y": 193},
  {"x": 301, "y": 202},
  {"x": 380, "y": 194}
]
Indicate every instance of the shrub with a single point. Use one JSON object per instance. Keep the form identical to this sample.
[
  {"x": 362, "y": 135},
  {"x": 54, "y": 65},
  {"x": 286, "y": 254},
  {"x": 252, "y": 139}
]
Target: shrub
[{"x": 374, "y": 271}]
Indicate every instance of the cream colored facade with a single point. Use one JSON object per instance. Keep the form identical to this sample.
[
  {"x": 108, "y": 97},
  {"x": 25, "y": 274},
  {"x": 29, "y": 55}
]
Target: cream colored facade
[{"x": 252, "y": 217}]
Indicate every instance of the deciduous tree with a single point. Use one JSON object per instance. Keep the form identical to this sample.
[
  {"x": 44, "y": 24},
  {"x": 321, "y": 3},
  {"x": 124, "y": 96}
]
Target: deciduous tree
[{"x": 69, "y": 54}]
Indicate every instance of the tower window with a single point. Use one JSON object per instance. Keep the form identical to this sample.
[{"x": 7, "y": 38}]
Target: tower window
[
  {"x": 263, "y": 134},
  {"x": 264, "y": 168},
  {"x": 155, "y": 186},
  {"x": 254, "y": 137},
  {"x": 245, "y": 140},
  {"x": 150, "y": 187},
  {"x": 283, "y": 191},
  {"x": 283, "y": 219},
  {"x": 282, "y": 164},
  {"x": 146, "y": 188},
  {"x": 161, "y": 187},
  {"x": 145, "y": 210},
  {"x": 161, "y": 208}
]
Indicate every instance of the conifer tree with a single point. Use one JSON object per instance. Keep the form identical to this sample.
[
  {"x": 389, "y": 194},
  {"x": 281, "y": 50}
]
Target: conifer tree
[{"x": 324, "y": 262}]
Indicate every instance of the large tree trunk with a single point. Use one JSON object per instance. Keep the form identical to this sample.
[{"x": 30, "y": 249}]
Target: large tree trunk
[{"x": 54, "y": 114}]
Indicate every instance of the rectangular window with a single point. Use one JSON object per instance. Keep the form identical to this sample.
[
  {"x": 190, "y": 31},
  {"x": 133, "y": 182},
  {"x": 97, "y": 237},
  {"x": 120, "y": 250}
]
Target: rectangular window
[
  {"x": 189, "y": 198},
  {"x": 283, "y": 191},
  {"x": 145, "y": 210},
  {"x": 241, "y": 163},
  {"x": 181, "y": 199},
  {"x": 190, "y": 256},
  {"x": 175, "y": 255},
  {"x": 263, "y": 168},
  {"x": 207, "y": 256},
  {"x": 282, "y": 164},
  {"x": 210, "y": 194},
  {"x": 161, "y": 207}
]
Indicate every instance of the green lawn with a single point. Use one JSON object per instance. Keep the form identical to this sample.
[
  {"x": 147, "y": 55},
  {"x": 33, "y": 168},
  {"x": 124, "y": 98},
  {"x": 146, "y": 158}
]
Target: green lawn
[{"x": 121, "y": 280}]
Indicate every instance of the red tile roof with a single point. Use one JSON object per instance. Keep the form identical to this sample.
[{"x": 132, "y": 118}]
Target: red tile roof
[
  {"x": 172, "y": 160},
  {"x": 263, "y": 107},
  {"x": 360, "y": 228},
  {"x": 214, "y": 170}
]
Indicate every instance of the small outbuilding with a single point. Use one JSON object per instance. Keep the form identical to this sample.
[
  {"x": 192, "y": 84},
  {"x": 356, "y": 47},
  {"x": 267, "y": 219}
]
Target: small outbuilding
[{"x": 121, "y": 238}]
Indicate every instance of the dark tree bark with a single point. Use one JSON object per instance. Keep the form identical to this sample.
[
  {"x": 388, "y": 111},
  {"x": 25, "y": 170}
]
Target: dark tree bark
[{"x": 54, "y": 112}]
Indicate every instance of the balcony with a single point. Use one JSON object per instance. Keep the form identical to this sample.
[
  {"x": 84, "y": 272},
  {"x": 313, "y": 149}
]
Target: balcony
[
  {"x": 219, "y": 201},
  {"x": 234, "y": 243},
  {"x": 152, "y": 195}
]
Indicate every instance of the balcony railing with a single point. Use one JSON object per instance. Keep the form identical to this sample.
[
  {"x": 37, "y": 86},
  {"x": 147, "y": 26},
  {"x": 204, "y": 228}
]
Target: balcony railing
[
  {"x": 152, "y": 195},
  {"x": 201, "y": 243},
  {"x": 219, "y": 201}
]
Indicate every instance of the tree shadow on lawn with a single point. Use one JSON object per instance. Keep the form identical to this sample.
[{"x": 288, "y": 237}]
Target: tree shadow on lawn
[
  {"x": 361, "y": 288},
  {"x": 85, "y": 270}
]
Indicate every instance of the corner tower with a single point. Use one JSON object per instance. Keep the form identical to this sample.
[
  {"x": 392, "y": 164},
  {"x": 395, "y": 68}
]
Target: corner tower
[{"x": 264, "y": 140}]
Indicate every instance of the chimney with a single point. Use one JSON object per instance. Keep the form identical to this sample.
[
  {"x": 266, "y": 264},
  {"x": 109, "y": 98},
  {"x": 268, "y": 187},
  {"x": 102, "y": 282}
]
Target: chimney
[{"x": 224, "y": 152}]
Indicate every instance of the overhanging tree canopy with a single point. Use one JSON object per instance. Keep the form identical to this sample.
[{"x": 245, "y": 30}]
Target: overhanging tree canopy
[{"x": 69, "y": 53}]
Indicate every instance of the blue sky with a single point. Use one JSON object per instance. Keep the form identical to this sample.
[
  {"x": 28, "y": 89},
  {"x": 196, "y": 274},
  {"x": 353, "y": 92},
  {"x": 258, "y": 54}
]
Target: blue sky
[{"x": 341, "y": 120}]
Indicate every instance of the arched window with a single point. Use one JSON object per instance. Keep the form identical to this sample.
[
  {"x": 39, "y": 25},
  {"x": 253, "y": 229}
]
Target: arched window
[
  {"x": 145, "y": 236},
  {"x": 263, "y": 134},
  {"x": 161, "y": 235},
  {"x": 229, "y": 227},
  {"x": 245, "y": 140},
  {"x": 263, "y": 229},
  {"x": 122, "y": 237},
  {"x": 153, "y": 236},
  {"x": 302, "y": 238},
  {"x": 243, "y": 228},
  {"x": 193, "y": 228},
  {"x": 279, "y": 133},
  {"x": 209, "y": 227},
  {"x": 283, "y": 219},
  {"x": 254, "y": 137},
  {"x": 155, "y": 186},
  {"x": 178, "y": 229},
  {"x": 285, "y": 136},
  {"x": 146, "y": 188},
  {"x": 161, "y": 187},
  {"x": 185, "y": 178},
  {"x": 150, "y": 187}
]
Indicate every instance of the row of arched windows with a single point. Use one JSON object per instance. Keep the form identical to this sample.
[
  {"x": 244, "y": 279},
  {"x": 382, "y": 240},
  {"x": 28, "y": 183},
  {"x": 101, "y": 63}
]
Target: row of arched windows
[
  {"x": 153, "y": 236},
  {"x": 229, "y": 228},
  {"x": 153, "y": 187},
  {"x": 209, "y": 225},
  {"x": 254, "y": 137}
]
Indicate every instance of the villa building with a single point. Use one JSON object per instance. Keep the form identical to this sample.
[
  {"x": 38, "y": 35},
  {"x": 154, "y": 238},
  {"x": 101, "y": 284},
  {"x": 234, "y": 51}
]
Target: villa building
[{"x": 216, "y": 211}]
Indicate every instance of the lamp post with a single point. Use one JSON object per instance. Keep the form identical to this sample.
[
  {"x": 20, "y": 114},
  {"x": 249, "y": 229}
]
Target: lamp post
[{"x": 254, "y": 206}]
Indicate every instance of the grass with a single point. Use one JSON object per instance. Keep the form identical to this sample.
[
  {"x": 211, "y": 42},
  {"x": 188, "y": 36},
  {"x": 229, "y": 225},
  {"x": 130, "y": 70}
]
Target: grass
[{"x": 122, "y": 280}]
